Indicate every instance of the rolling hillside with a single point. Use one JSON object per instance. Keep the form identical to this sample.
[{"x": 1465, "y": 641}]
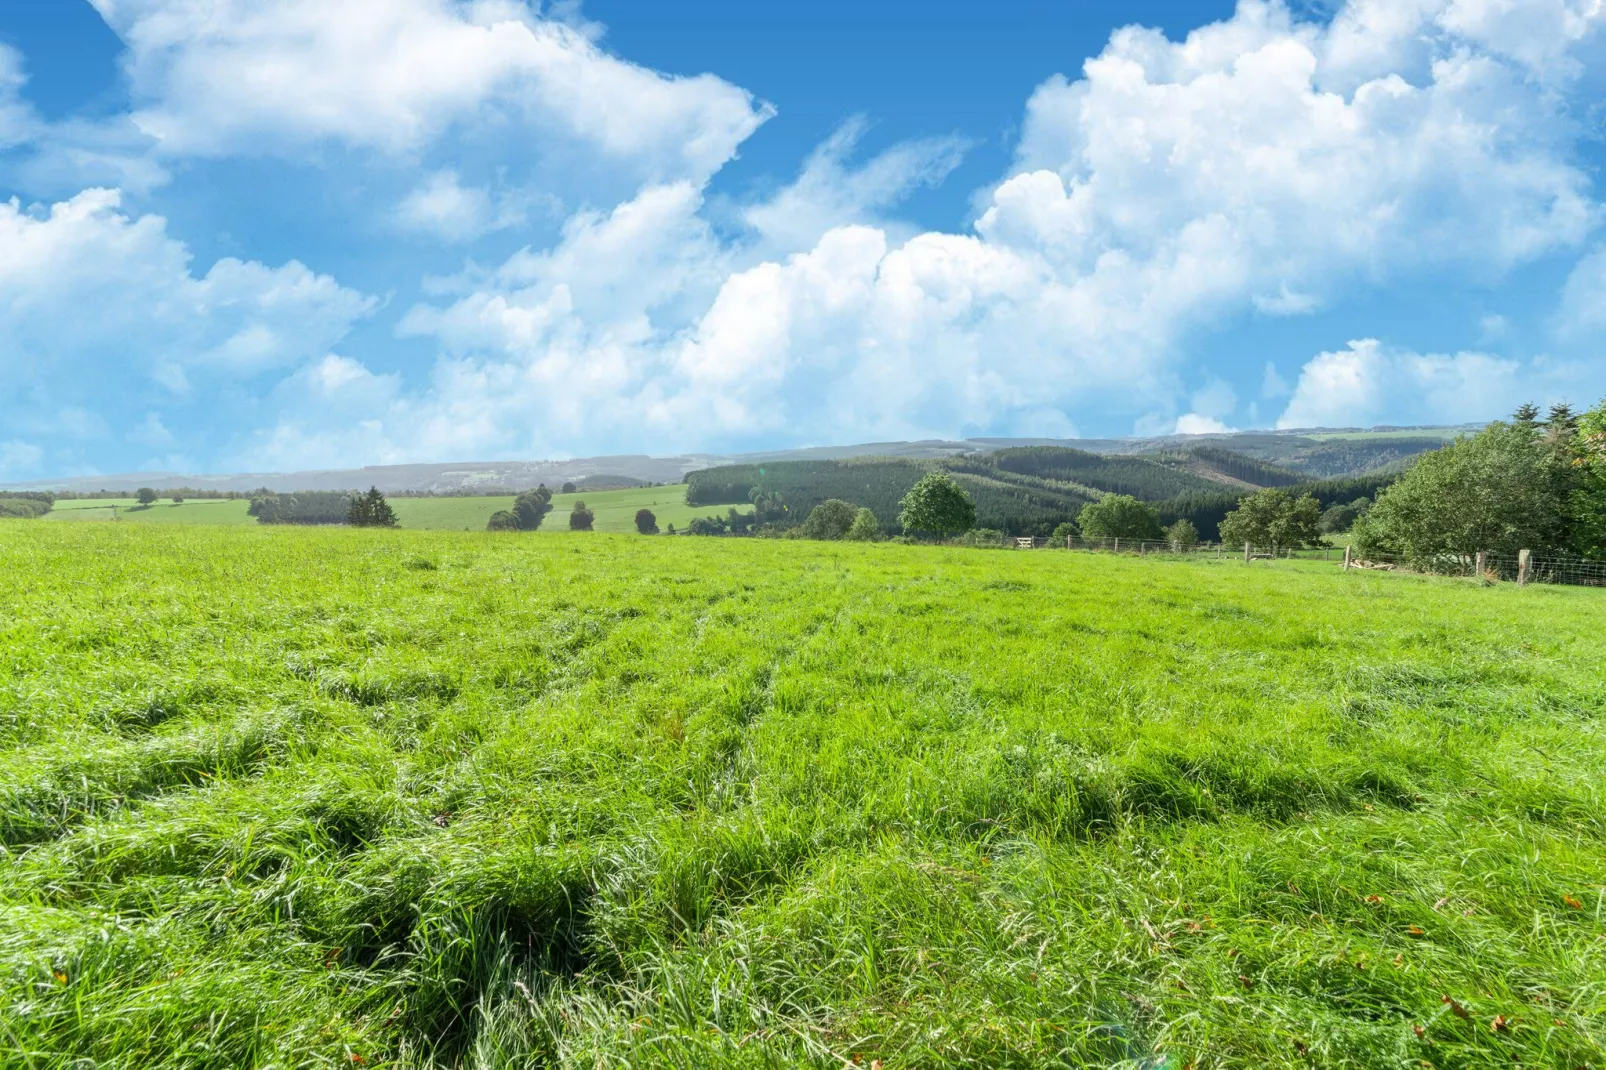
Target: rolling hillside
[{"x": 1030, "y": 490}]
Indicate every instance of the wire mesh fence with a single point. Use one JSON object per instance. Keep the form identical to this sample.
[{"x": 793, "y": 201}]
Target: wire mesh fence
[{"x": 1490, "y": 567}]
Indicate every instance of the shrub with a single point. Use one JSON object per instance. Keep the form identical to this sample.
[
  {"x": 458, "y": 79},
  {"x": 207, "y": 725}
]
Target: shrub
[
  {"x": 646, "y": 523},
  {"x": 1182, "y": 535},
  {"x": 937, "y": 506},
  {"x": 830, "y": 519},
  {"x": 581, "y": 518},
  {"x": 984, "y": 539},
  {"x": 22, "y": 508},
  {"x": 1119, "y": 516},
  {"x": 1064, "y": 531},
  {"x": 568, "y": 488},
  {"x": 865, "y": 526},
  {"x": 503, "y": 520}
]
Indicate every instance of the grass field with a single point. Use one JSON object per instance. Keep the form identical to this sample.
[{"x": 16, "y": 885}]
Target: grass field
[
  {"x": 615, "y": 510},
  {"x": 287, "y": 797}
]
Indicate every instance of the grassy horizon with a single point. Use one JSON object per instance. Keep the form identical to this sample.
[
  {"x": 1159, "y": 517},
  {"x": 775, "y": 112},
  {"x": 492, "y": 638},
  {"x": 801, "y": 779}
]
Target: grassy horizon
[
  {"x": 615, "y": 510},
  {"x": 285, "y": 797}
]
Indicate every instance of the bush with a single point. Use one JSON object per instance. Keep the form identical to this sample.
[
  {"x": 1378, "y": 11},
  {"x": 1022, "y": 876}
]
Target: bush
[
  {"x": 581, "y": 518},
  {"x": 1182, "y": 536},
  {"x": 984, "y": 539},
  {"x": 568, "y": 488},
  {"x": 503, "y": 520},
  {"x": 371, "y": 510},
  {"x": 22, "y": 508},
  {"x": 646, "y": 522},
  {"x": 937, "y": 506},
  {"x": 865, "y": 526},
  {"x": 1119, "y": 516},
  {"x": 831, "y": 519},
  {"x": 1065, "y": 531}
]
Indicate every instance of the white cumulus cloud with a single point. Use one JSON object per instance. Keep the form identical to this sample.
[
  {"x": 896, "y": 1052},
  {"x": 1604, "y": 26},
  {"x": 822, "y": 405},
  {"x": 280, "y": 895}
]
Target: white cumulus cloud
[
  {"x": 219, "y": 77},
  {"x": 1367, "y": 383},
  {"x": 99, "y": 308}
]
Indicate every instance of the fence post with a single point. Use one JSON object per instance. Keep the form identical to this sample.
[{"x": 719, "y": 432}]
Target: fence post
[
  {"x": 1478, "y": 565},
  {"x": 1246, "y": 553},
  {"x": 1117, "y": 546},
  {"x": 1524, "y": 565},
  {"x": 1347, "y": 550}
]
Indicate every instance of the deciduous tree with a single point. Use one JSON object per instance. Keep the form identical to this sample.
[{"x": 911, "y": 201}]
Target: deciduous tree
[
  {"x": 937, "y": 506},
  {"x": 1119, "y": 516}
]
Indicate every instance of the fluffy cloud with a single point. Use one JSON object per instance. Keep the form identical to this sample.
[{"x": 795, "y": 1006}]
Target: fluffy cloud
[
  {"x": 1583, "y": 300},
  {"x": 98, "y": 308},
  {"x": 18, "y": 123},
  {"x": 1261, "y": 165},
  {"x": 444, "y": 208},
  {"x": 830, "y": 192},
  {"x": 226, "y": 76},
  {"x": 1366, "y": 384}
]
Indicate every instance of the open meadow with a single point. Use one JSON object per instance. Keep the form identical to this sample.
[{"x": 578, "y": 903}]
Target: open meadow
[
  {"x": 615, "y": 510},
  {"x": 317, "y": 797}
]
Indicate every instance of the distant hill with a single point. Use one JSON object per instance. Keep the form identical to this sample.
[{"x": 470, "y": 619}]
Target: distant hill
[
  {"x": 1318, "y": 453},
  {"x": 1031, "y": 489}
]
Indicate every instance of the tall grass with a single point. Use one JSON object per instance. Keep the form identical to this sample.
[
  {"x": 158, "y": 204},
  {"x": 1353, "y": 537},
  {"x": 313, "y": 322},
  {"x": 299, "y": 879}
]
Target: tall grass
[{"x": 421, "y": 799}]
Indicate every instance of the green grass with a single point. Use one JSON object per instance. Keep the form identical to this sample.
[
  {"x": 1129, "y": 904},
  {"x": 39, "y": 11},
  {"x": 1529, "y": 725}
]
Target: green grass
[
  {"x": 287, "y": 797},
  {"x": 191, "y": 511},
  {"x": 615, "y": 510}
]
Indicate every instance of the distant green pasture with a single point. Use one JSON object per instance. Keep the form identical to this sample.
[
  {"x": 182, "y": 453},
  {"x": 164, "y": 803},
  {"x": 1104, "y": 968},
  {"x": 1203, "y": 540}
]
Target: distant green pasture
[{"x": 615, "y": 510}]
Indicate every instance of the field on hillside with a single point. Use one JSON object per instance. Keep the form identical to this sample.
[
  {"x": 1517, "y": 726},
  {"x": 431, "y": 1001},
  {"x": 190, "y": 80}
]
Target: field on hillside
[
  {"x": 615, "y": 510},
  {"x": 318, "y": 797}
]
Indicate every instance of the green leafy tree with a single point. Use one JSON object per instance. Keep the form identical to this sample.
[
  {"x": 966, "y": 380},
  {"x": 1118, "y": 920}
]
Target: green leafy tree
[
  {"x": 1065, "y": 530},
  {"x": 646, "y": 522},
  {"x": 371, "y": 510},
  {"x": 831, "y": 519},
  {"x": 503, "y": 520},
  {"x": 937, "y": 506},
  {"x": 145, "y": 496},
  {"x": 1505, "y": 489},
  {"x": 531, "y": 507},
  {"x": 1273, "y": 520},
  {"x": 568, "y": 488},
  {"x": 178, "y": 499},
  {"x": 1182, "y": 535},
  {"x": 1119, "y": 516},
  {"x": 768, "y": 507},
  {"x": 1587, "y": 498},
  {"x": 581, "y": 518},
  {"x": 1337, "y": 519},
  {"x": 865, "y": 526}
]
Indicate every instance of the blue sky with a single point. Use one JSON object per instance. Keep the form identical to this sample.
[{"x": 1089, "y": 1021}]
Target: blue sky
[{"x": 250, "y": 235}]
